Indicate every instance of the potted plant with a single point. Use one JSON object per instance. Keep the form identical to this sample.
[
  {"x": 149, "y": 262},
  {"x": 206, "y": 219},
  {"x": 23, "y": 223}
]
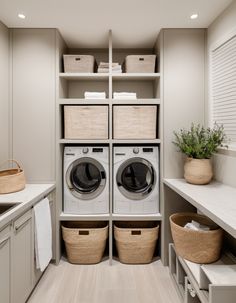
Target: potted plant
[{"x": 199, "y": 144}]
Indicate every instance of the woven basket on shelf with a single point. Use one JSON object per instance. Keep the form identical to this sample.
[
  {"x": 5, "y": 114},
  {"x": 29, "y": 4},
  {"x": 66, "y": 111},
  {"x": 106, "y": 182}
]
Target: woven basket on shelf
[
  {"x": 13, "y": 179},
  {"x": 196, "y": 246},
  {"x": 85, "y": 241},
  {"x": 136, "y": 241}
]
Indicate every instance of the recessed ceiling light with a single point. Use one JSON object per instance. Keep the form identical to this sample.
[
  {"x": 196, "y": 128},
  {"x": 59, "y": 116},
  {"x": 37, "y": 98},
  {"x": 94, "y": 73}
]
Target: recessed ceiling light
[
  {"x": 194, "y": 16},
  {"x": 21, "y": 16}
]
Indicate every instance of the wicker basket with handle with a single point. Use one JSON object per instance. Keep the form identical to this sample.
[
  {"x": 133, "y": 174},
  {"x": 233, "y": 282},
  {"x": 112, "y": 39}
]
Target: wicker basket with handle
[
  {"x": 196, "y": 246},
  {"x": 13, "y": 179},
  {"x": 85, "y": 241},
  {"x": 136, "y": 241}
]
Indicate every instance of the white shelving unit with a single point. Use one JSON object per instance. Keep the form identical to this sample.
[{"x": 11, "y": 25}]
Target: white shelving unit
[{"x": 71, "y": 88}]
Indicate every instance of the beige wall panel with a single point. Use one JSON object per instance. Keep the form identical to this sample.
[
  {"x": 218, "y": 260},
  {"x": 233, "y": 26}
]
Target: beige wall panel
[
  {"x": 34, "y": 102},
  {"x": 183, "y": 91},
  {"x": 4, "y": 92}
]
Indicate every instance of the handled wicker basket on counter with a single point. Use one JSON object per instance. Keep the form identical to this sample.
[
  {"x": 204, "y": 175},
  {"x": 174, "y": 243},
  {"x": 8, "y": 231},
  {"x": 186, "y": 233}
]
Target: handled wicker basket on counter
[
  {"x": 12, "y": 179},
  {"x": 196, "y": 246}
]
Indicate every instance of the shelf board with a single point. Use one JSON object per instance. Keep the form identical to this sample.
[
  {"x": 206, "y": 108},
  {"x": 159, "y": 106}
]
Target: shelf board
[
  {"x": 75, "y": 141},
  {"x": 137, "y": 101},
  {"x": 136, "y": 217},
  {"x": 73, "y": 217},
  {"x": 68, "y": 101},
  {"x": 136, "y": 141},
  {"x": 136, "y": 76},
  {"x": 84, "y": 76},
  {"x": 215, "y": 200}
]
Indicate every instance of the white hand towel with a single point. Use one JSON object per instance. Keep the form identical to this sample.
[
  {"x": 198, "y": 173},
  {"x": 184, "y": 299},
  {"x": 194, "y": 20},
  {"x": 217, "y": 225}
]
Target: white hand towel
[
  {"x": 124, "y": 95},
  {"x": 43, "y": 234},
  {"x": 95, "y": 95}
]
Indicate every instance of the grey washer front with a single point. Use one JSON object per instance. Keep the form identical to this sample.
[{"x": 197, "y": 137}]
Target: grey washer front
[
  {"x": 86, "y": 178},
  {"x": 136, "y": 178}
]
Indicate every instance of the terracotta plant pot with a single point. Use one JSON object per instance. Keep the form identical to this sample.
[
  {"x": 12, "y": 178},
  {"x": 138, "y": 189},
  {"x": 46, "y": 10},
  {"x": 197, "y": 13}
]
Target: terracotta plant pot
[{"x": 198, "y": 171}]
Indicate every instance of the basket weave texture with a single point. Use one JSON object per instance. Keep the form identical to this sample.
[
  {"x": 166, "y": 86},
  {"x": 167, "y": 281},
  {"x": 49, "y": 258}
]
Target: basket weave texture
[
  {"x": 13, "y": 179},
  {"x": 85, "y": 241},
  {"x": 79, "y": 63},
  {"x": 136, "y": 241},
  {"x": 201, "y": 247}
]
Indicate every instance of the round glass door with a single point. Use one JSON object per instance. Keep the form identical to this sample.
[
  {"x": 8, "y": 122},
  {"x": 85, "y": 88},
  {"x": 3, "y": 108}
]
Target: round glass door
[
  {"x": 136, "y": 178},
  {"x": 86, "y": 178}
]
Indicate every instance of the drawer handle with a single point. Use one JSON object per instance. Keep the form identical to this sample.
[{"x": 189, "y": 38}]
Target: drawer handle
[
  {"x": 141, "y": 59},
  {"x": 77, "y": 59},
  {"x": 83, "y": 232},
  {"x": 4, "y": 241},
  {"x": 19, "y": 227},
  {"x": 191, "y": 291},
  {"x": 136, "y": 232}
]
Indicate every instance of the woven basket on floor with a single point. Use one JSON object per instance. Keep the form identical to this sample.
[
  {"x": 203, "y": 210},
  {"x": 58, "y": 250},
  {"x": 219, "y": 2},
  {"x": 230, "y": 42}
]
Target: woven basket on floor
[
  {"x": 136, "y": 241},
  {"x": 85, "y": 241},
  {"x": 12, "y": 180},
  {"x": 196, "y": 246}
]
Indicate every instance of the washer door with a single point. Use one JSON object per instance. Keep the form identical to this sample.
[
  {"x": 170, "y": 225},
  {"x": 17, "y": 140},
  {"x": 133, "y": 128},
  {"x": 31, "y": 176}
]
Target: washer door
[
  {"x": 136, "y": 178},
  {"x": 86, "y": 178}
]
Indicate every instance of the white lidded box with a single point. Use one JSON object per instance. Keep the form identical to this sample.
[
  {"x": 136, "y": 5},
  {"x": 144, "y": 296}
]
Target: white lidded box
[
  {"x": 135, "y": 122},
  {"x": 86, "y": 122},
  {"x": 78, "y": 63},
  {"x": 140, "y": 64}
]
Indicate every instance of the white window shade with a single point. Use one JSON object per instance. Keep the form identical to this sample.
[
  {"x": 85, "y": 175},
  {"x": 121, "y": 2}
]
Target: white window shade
[{"x": 223, "y": 86}]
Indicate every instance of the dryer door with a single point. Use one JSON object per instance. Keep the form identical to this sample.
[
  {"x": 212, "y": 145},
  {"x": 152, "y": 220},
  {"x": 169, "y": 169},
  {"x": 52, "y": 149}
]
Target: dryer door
[
  {"x": 136, "y": 178},
  {"x": 86, "y": 178}
]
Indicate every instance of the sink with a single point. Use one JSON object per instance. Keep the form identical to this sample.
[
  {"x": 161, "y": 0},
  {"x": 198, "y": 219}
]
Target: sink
[{"x": 5, "y": 207}]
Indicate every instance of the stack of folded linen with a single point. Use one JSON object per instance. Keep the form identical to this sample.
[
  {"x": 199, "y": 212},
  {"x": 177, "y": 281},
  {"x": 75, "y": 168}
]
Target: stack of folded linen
[
  {"x": 95, "y": 95},
  {"x": 125, "y": 96},
  {"x": 104, "y": 67}
]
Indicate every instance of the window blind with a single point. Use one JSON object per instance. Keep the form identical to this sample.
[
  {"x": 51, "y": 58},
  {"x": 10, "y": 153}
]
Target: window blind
[{"x": 223, "y": 86}]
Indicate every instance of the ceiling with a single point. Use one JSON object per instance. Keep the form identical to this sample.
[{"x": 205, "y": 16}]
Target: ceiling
[{"x": 134, "y": 23}]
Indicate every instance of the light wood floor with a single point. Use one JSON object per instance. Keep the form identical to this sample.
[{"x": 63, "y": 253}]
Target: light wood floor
[{"x": 102, "y": 283}]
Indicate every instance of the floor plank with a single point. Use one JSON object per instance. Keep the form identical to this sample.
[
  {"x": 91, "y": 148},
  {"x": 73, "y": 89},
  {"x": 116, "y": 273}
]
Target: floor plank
[{"x": 102, "y": 283}]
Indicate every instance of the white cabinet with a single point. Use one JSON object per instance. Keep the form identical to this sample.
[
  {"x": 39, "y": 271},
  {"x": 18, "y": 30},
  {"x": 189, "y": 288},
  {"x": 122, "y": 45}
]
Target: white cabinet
[
  {"x": 22, "y": 258},
  {"x": 5, "y": 246}
]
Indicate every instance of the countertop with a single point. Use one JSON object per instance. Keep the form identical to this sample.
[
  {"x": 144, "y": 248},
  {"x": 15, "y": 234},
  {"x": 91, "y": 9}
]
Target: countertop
[{"x": 26, "y": 199}]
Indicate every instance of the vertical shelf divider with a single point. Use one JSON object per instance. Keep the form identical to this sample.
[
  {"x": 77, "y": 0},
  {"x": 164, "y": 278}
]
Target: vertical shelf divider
[{"x": 110, "y": 151}]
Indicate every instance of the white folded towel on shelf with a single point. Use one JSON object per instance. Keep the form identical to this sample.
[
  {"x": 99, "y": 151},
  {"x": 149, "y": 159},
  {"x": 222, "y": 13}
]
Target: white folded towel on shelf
[
  {"x": 106, "y": 64},
  {"x": 104, "y": 67},
  {"x": 196, "y": 226},
  {"x": 95, "y": 95},
  {"x": 43, "y": 234},
  {"x": 124, "y": 96}
]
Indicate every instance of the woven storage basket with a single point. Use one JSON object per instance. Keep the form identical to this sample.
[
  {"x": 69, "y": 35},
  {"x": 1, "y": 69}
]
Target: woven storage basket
[
  {"x": 86, "y": 122},
  {"x": 78, "y": 63},
  {"x": 196, "y": 246},
  {"x": 85, "y": 241},
  {"x": 136, "y": 241},
  {"x": 12, "y": 180},
  {"x": 140, "y": 64},
  {"x": 135, "y": 122}
]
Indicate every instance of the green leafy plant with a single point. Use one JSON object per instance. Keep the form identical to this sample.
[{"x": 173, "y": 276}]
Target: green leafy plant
[{"x": 200, "y": 142}]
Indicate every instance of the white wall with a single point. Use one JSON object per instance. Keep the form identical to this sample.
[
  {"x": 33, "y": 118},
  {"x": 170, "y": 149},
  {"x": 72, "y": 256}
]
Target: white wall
[
  {"x": 4, "y": 93},
  {"x": 225, "y": 165}
]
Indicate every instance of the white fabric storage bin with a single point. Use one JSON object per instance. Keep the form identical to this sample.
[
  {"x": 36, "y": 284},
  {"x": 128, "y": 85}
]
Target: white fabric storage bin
[
  {"x": 140, "y": 64},
  {"x": 78, "y": 63},
  {"x": 86, "y": 122},
  {"x": 135, "y": 122}
]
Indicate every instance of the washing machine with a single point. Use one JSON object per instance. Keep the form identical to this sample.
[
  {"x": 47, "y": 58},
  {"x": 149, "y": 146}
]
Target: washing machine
[
  {"x": 86, "y": 180},
  {"x": 136, "y": 180}
]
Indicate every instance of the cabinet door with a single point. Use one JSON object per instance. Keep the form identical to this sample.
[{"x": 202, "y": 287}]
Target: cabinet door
[
  {"x": 5, "y": 265},
  {"x": 22, "y": 258}
]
